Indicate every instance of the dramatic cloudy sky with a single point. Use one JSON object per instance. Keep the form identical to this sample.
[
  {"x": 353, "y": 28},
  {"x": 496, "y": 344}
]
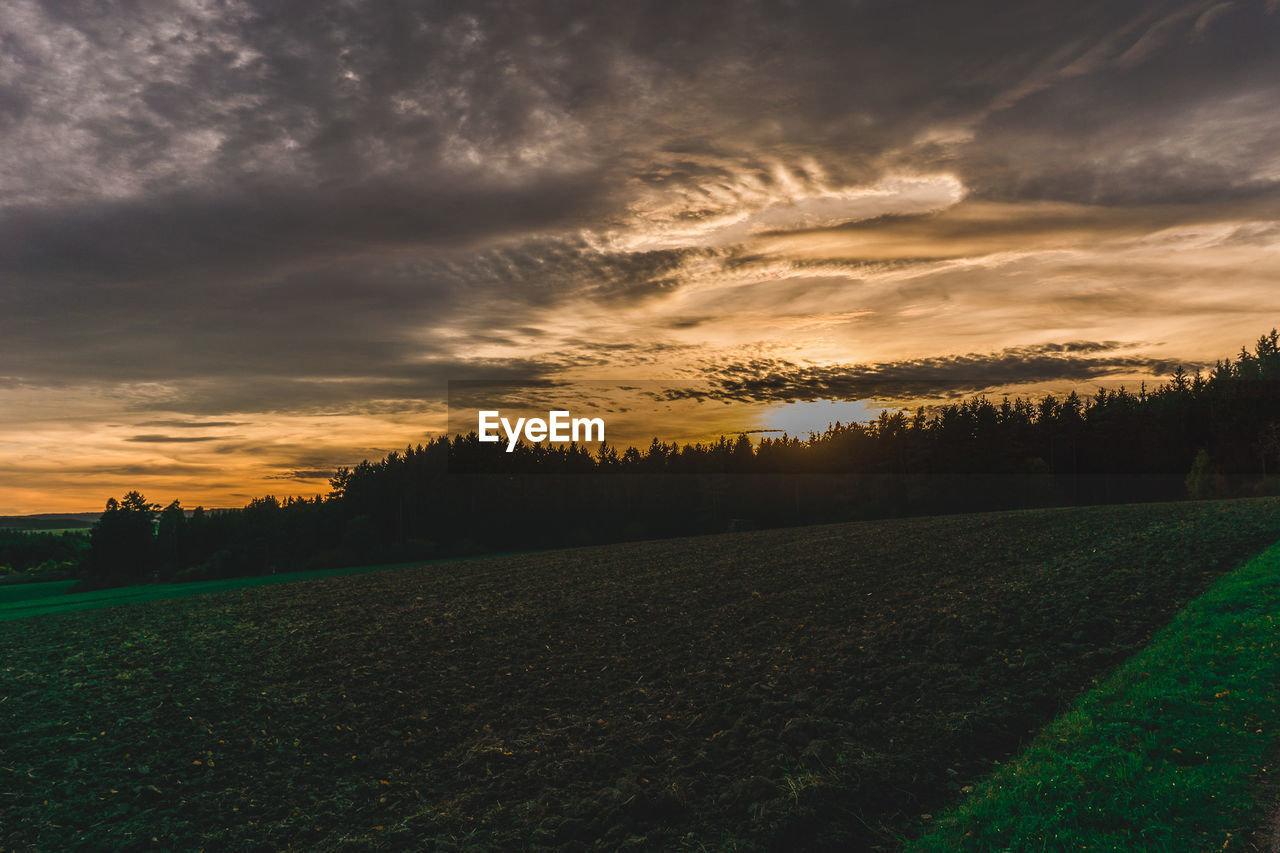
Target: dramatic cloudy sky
[{"x": 244, "y": 241}]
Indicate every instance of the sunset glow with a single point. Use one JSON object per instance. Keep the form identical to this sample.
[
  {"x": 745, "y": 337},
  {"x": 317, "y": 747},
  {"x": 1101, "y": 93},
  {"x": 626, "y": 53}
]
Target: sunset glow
[{"x": 240, "y": 247}]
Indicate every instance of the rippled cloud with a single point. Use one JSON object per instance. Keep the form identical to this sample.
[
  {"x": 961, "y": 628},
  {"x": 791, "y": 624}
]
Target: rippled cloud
[{"x": 302, "y": 220}]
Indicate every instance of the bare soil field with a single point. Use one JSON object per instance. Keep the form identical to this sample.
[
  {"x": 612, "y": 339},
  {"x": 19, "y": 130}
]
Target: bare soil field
[{"x": 812, "y": 688}]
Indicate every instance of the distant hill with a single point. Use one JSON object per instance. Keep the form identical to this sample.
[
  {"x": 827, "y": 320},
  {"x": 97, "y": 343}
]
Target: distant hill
[
  {"x": 48, "y": 521},
  {"x": 64, "y": 520}
]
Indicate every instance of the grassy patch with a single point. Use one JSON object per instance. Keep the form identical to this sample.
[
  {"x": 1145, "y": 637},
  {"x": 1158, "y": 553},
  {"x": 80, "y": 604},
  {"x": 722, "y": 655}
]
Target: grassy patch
[
  {"x": 812, "y": 688},
  {"x": 43, "y": 599},
  {"x": 21, "y": 594},
  {"x": 1163, "y": 756}
]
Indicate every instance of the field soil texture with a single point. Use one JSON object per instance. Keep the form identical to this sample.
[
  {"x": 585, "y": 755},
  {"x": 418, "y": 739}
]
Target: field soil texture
[{"x": 812, "y": 688}]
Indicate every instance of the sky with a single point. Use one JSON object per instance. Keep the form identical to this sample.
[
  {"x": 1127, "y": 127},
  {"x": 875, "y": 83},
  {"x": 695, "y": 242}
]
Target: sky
[{"x": 242, "y": 243}]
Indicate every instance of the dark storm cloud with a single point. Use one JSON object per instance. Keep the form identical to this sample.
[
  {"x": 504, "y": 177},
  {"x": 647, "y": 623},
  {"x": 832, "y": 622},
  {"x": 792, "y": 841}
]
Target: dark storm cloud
[
  {"x": 305, "y": 475},
  {"x": 294, "y": 199},
  {"x": 398, "y": 389},
  {"x": 344, "y": 96},
  {"x": 546, "y": 271},
  {"x": 1180, "y": 114},
  {"x": 168, "y": 468},
  {"x": 769, "y": 380},
  {"x": 317, "y": 337},
  {"x": 179, "y": 424},
  {"x": 152, "y": 239}
]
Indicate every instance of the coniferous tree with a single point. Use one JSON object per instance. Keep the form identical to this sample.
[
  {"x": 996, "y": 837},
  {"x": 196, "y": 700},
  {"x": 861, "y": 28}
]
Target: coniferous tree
[{"x": 123, "y": 542}]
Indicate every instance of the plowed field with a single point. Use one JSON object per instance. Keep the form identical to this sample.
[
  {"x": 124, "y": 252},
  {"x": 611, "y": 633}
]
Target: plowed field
[{"x": 811, "y": 688}]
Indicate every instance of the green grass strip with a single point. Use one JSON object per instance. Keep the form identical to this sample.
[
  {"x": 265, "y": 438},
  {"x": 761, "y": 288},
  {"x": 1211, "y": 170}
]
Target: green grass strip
[
  {"x": 22, "y": 601},
  {"x": 52, "y": 597},
  {"x": 1162, "y": 756},
  {"x": 15, "y": 592}
]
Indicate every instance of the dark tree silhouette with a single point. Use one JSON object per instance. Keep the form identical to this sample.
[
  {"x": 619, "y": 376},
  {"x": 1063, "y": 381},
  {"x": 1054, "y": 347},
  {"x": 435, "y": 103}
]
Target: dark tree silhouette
[
  {"x": 123, "y": 542},
  {"x": 24, "y": 551},
  {"x": 461, "y": 496},
  {"x": 171, "y": 543}
]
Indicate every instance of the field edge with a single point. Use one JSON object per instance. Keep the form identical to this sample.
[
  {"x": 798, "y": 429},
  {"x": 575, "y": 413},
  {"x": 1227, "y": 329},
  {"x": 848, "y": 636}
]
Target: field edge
[{"x": 1168, "y": 753}]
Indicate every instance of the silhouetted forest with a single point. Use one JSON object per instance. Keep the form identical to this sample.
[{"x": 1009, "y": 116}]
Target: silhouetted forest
[
  {"x": 46, "y": 553},
  {"x": 1208, "y": 435}
]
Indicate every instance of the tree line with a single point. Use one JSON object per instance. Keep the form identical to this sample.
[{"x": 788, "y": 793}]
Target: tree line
[
  {"x": 1211, "y": 434},
  {"x": 50, "y": 554}
]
